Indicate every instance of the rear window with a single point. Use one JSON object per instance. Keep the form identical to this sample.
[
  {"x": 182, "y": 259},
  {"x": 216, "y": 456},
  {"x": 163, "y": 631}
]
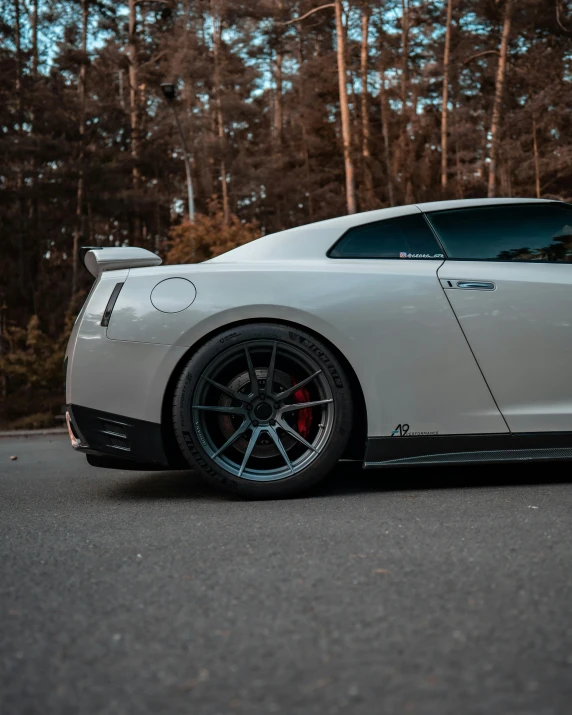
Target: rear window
[{"x": 406, "y": 237}]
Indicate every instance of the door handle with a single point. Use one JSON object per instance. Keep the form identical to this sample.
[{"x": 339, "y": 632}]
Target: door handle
[
  {"x": 475, "y": 285},
  {"x": 467, "y": 285}
]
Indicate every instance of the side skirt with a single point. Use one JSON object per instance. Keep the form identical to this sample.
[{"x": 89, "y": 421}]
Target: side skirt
[{"x": 473, "y": 448}]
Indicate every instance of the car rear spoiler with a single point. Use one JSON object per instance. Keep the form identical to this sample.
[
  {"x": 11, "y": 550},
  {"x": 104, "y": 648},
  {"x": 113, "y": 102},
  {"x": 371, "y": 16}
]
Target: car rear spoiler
[{"x": 97, "y": 259}]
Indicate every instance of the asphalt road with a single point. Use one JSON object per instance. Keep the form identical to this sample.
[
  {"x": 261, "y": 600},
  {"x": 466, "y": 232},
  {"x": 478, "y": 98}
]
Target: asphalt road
[{"x": 426, "y": 591}]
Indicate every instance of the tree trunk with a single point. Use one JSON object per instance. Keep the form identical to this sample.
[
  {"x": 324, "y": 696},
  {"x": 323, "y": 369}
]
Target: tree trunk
[
  {"x": 497, "y": 104},
  {"x": 18, "y": 83},
  {"x": 483, "y": 153},
  {"x": 217, "y": 39},
  {"x": 365, "y": 150},
  {"x": 79, "y": 232},
  {"x": 134, "y": 114},
  {"x": 384, "y": 108},
  {"x": 363, "y": 72},
  {"x": 34, "y": 203},
  {"x": 305, "y": 147},
  {"x": 277, "y": 136},
  {"x": 404, "y": 52},
  {"x": 121, "y": 90},
  {"x": 458, "y": 170},
  {"x": 536, "y": 163},
  {"x": 19, "y": 170},
  {"x": 90, "y": 228},
  {"x": 404, "y": 91},
  {"x": 278, "y": 94},
  {"x": 445, "y": 102},
  {"x": 188, "y": 102},
  {"x": 345, "y": 111},
  {"x": 278, "y": 98},
  {"x": 35, "y": 54}
]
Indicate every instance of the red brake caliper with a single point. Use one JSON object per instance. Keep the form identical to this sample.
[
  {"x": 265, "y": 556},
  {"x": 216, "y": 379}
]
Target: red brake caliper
[{"x": 304, "y": 422}]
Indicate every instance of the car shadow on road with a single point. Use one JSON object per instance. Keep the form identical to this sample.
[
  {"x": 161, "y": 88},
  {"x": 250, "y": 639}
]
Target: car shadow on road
[
  {"x": 164, "y": 485},
  {"x": 350, "y": 478}
]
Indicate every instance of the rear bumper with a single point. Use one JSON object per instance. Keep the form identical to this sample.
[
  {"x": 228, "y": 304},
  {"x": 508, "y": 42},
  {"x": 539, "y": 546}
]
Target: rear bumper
[{"x": 108, "y": 438}]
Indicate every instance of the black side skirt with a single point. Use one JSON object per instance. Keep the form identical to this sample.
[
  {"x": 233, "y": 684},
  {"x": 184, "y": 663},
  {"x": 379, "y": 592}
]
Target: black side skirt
[
  {"x": 476, "y": 448},
  {"x": 114, "y": 441}
]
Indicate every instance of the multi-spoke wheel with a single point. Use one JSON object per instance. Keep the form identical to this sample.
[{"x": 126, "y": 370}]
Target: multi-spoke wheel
[{"x": 263, "y": 409}]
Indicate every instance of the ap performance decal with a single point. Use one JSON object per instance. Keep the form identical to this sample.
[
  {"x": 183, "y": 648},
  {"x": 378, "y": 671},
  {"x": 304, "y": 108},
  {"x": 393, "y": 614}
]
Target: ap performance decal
[{"x": 403, "y": 430}]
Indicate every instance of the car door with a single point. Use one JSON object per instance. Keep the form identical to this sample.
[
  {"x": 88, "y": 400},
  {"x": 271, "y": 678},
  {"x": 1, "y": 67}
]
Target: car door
[
  {"x": 508, "y": 278},
  {"x": 418, "y": 374}
]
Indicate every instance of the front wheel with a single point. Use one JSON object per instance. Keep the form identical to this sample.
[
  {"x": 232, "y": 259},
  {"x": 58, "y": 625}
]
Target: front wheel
[{"x": 263, "y": 410}]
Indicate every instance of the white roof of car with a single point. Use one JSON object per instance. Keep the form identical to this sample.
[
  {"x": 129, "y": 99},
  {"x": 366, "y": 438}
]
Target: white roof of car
[{"x": 312, "y": 241}]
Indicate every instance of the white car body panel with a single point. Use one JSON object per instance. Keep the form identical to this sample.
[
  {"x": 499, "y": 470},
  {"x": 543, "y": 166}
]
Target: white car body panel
[
  {"x": 446, "y": 362},
  {"x": 410, "y": 379},
  {"x": 125, "y": 378},
  {"x": 521, "y": 335}
]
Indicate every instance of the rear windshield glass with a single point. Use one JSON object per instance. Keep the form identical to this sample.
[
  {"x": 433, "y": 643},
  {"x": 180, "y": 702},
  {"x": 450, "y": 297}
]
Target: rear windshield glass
[{"x": 406, "y": 237}]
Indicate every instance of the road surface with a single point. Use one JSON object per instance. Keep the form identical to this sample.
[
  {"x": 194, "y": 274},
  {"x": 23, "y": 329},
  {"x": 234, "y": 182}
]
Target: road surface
[{"x": 430, "y": 591}]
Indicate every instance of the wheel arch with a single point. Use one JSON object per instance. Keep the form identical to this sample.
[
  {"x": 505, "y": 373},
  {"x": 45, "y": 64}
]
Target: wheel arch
[{"x": 357, "y": 442}]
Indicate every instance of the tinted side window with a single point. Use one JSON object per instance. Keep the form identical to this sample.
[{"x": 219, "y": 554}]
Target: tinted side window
[
  {"x": 403, "y": 237},
  {"x": 517, "y": 232}
]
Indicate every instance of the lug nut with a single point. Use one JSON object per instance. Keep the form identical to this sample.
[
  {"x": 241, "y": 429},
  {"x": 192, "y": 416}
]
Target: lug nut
[
  {"x": 272, "y": 422},
  {"x": 249, "y": 406},
  {"x": 255, "y": 423},
  {"x": 276, "y": 406}
]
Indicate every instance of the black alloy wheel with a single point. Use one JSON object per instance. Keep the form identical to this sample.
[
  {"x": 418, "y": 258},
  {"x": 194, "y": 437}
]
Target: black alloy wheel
[{"x": 263, "y": 410}]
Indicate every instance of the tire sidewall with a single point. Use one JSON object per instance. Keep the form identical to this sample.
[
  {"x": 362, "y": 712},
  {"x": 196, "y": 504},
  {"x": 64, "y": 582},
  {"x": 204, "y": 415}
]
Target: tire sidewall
[{"x": 191, "y": 443}]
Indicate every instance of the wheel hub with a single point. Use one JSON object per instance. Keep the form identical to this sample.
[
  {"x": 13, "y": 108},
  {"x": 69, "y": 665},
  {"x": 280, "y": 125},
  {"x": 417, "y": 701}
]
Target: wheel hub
[{"x": 263, "y": 411}]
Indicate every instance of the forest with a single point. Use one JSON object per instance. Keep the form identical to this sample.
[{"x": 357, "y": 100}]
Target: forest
[{"x": 290, "y": 112}]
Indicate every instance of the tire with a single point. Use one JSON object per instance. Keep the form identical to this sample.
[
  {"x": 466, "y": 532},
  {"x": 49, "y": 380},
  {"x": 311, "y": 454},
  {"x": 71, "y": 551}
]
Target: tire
[{"x": 236, "y": 413}]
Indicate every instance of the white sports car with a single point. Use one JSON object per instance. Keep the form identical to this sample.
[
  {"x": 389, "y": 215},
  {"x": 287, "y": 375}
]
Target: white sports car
[{"x": 426, "y": 334}]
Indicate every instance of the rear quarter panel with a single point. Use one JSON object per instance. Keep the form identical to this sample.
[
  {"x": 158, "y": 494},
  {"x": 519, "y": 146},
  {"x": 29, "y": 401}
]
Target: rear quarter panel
[{"x": 389, "y": 318}]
